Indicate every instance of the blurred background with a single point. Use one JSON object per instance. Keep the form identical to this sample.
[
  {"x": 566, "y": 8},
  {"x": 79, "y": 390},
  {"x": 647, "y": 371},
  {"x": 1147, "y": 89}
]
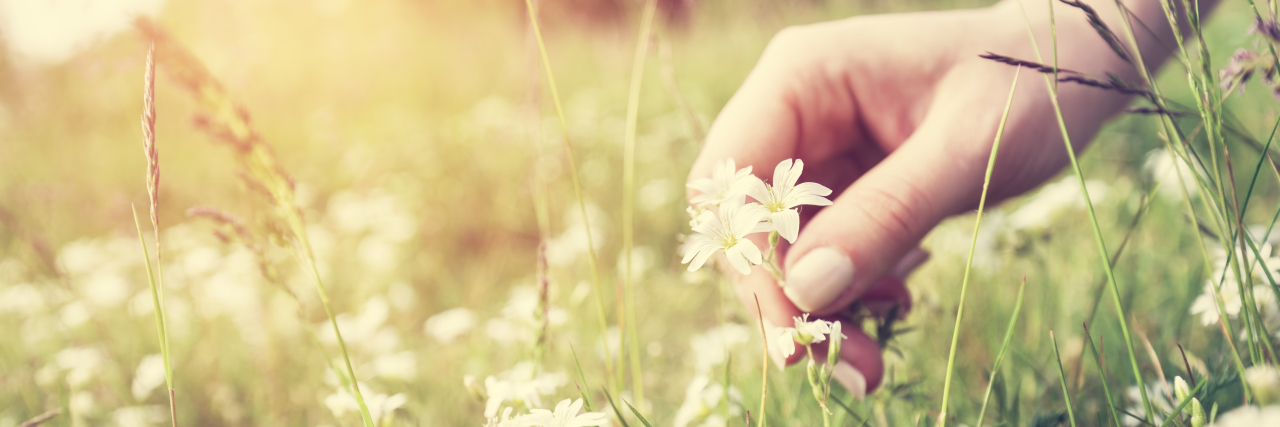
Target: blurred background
[{"x": 414, "y": 132}]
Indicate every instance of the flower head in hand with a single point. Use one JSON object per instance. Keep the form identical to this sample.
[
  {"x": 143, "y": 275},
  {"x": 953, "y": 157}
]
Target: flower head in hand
[
  {"x": 728, "y": 232},
  {"x": 727, "y": 183},
  {"x": 784, "y": 196}
]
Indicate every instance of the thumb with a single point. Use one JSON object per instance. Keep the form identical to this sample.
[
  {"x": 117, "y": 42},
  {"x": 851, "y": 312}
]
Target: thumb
[{"x": 849, "y": 246}]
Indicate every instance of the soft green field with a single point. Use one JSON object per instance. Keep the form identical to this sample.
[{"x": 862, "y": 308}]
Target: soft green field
[{"x": 417, "y": 134}]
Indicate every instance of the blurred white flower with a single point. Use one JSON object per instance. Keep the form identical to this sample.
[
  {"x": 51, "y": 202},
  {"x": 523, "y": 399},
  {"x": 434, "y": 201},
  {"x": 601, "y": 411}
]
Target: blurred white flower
[
  {"x": 149, "y": 376},
  {"x": 520, "y": 317},
  {"x": 81, "y": 364},
  {"x": 1265, "y": 382},
  {"x": 642, "y": 258},
  {"x": 450, "y": 324},
  {"x": 506, "y": 420},
  {"x": 520, "y": 385},
  {"x": 140, "y": 416},
  {"x": 358, "y": 329},
  {"x": 712, "y": 347},
  {"x": 402, "y": 365},
  {"x": 1054, "y": 198},
  {"x": 701, "y": 398},
  {"x": 784, "y": 196},
  {"x": 22, "y": 299},
  {"x": 726, "y": 232},
  {"x": 342, "y": 402},
  {"x": 74, "y": 314},
  {"x": 52, "y": 31},
  {"x": 726, "y": 183},
  {"x": 564, "y": 249},
  {"x": 567, "y": 414},
  {"x": 1158, "y": 392},
  {"x": 655, "y": 194},
  {"x": 1249, "y": 416},
  {"x": 1163, "y": 167}
]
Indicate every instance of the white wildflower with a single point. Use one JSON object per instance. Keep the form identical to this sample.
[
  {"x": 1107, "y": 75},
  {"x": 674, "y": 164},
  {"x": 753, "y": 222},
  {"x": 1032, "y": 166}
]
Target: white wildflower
[
  {"x": 1163, "y": 167},
  {"x": 342, "y": 402},
  {"x": 567, "y": 415},
  {"x": 1052, "y": 199},
  {"x": 784, "y": 196},
  {"x": 1250, "y": 416},
  {"x": 727, "y": 183},
  {"x": 727, "y": 232},
  {"x": 149, "y": 376},
  {"x": 712, "y": 347},
  {"x": 22, "y": 299},
  {"x": 506, "y": 420},
  {"x": 521, "y": 385},
  {"x": 51, "y": 32},
  {"x": 1265, "y": 382},
  {"x": 701, "y": 398},
  {"x": 450, "y": 324}
]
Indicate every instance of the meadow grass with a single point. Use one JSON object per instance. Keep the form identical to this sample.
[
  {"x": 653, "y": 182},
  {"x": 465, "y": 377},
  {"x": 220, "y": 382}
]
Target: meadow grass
[{"x": 421, "y": 182}]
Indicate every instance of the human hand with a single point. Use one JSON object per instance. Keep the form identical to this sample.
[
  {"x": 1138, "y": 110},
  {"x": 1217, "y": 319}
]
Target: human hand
[{"x": 897, "y": 115}]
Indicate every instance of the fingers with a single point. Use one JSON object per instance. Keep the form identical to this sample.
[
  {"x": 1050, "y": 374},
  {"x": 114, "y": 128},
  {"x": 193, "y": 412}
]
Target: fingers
[
  {"x": 849, "y": 246},
  {"x": 788, "y": 100}
]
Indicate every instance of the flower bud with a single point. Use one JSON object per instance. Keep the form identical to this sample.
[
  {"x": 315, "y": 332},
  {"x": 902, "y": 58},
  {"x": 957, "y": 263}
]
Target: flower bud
[
  {"x": 1180, "y": 389},
  {"x": 1197, "y": 413},
  {"x": 833, "y": 350}
]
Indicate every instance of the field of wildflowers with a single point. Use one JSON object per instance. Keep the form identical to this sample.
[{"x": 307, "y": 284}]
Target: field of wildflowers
[{"x": 439, "y": 213}]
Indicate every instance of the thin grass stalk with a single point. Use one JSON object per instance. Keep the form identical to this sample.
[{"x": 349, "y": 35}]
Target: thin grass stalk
[
  {"x": 1251, "y": 309},
  {"x": 629, "y": 195},
  {"x": 1093, "y": 219},
  {"x": 1063, "y": 376},
  {"x": 577, "y": 183},
  {"x": 161, "y": 329},
  {"x": 1177, "y": 410},
  {"x": 1102, "y": 374},
  {"x": 153, "y": 194},
  {"x": 673, "y": 88},
  {"x": 1004, "y": 346},
  {"x": 764, "y": 365},
  {"x": 973, "y": 244}
]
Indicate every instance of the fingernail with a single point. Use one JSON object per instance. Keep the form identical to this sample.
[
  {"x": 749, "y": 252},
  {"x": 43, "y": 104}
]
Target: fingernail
[
  {"x": 775, "y": 354},
  {"x": 818, "y": 278},
  {"x": 851, "y": 379}
]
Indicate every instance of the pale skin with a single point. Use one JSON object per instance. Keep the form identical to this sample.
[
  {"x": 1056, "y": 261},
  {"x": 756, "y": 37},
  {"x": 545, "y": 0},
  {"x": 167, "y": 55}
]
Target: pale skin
[{"x": 897, "y": 114}]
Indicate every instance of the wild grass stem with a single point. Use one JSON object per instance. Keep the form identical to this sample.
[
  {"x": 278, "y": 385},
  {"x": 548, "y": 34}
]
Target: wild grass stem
[
  {"x": 629, "y": 195},
  {"x": 973, "y": 244}
]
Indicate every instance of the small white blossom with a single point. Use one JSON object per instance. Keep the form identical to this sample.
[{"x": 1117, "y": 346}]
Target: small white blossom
[
  {"x": 701, "y": 398},
  {"x": 1250, "y": 416},
  {"x": 726, "y": 183},
  {"x": 150, "y": 375},
  {"x": 506, "y": 420},
  {"x": 784, "y": 196},
  {"x": 450, "y": 324},
  {"x": 805, "y": 332},
  {"x": 566, "y": 415},
  {"x": 520, "y": 385},
  {"x": 726, "y": 232}
]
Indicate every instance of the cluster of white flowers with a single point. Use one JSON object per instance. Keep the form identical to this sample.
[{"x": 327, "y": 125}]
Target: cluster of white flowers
[
  {"x": 1264, "y": 381},
  {"x": 726, "y": 227},
  {"x": 568, "y": 413},
  {"x": 380, "y": 405},
  {"x": 520, "y": 321},
  {"x": 1206, "y": 306},
  {"x": 806, "y": 332},
  {"x": 702, "y": 398}
]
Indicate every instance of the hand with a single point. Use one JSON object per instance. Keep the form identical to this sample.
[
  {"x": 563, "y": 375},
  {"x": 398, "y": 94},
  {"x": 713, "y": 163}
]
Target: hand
[{"x": 897, "y": 115}]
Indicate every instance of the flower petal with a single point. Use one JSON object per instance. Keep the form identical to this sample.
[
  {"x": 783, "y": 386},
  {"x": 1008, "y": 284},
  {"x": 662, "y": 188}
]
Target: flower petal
[
  {"x": 788, "y": 224},
  {"x": 737, "y": 259},
  {"x": 701, "y": 257},
  {"x": 748, "y": 250}
]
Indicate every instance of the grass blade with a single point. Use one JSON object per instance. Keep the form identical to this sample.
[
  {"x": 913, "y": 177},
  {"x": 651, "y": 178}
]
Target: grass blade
[
  {"x": 1102, "y": 372},
  {"x": 628, "y": 200},
  {"x": 764, "y": 381},
  {"x": 577, "y": 183},
  {"x": 1008, "y": 335},
  {"x": 977, "y": 224},
  {"x": 583, "y": 391},
  {"x": 634, "y": 411},
  {"x": 1063, "y": 376},
  {"x": 614, "y": 405}
]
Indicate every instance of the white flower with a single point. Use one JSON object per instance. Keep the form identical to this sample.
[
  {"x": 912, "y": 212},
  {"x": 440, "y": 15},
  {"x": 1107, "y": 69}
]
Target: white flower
[
  {"x": 784, "y": 196},
  {"x": 150, "y": 375},
  {"x": 520, "y": 385},
  {"x": 712, "y": 347},
  {"x": 1250, "y": 416},
  {"x": 449, "y": 324},
  {"x": 784, "y": 339},
  {"x": 725, "y": 184},
  {"x": 566, "y": 415},
  {"x": 342, "y": 401},
  {"x": 805, "y": 332},
  {"x": 727, "y": 232},
  {"x": 506, "y": 420},
  {"x": 1163, "y": 167},
  {"x": 701, "y": 398}
]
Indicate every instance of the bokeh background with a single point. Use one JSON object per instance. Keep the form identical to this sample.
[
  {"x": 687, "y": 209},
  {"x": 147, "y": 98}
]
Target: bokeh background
[{"x": 416, "y": 133}]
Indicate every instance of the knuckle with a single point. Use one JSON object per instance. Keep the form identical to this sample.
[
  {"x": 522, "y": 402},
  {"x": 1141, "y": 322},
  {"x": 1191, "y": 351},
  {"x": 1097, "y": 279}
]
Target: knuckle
[
  {"x": 896, "y": 209},
  {"x": 787, "y": 44}
]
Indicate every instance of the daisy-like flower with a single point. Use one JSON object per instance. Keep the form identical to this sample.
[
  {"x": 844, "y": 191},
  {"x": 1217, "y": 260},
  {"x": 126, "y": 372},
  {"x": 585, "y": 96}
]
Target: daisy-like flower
[
  {"x": 506, "y": 420},
  {"x": 783, "y": 197},
  {"x": 726, "y": 183},
  {"x": 566, "y": 415},
  {"x": 726, "y": 232},
  {"x": 805, "y": 332}
]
